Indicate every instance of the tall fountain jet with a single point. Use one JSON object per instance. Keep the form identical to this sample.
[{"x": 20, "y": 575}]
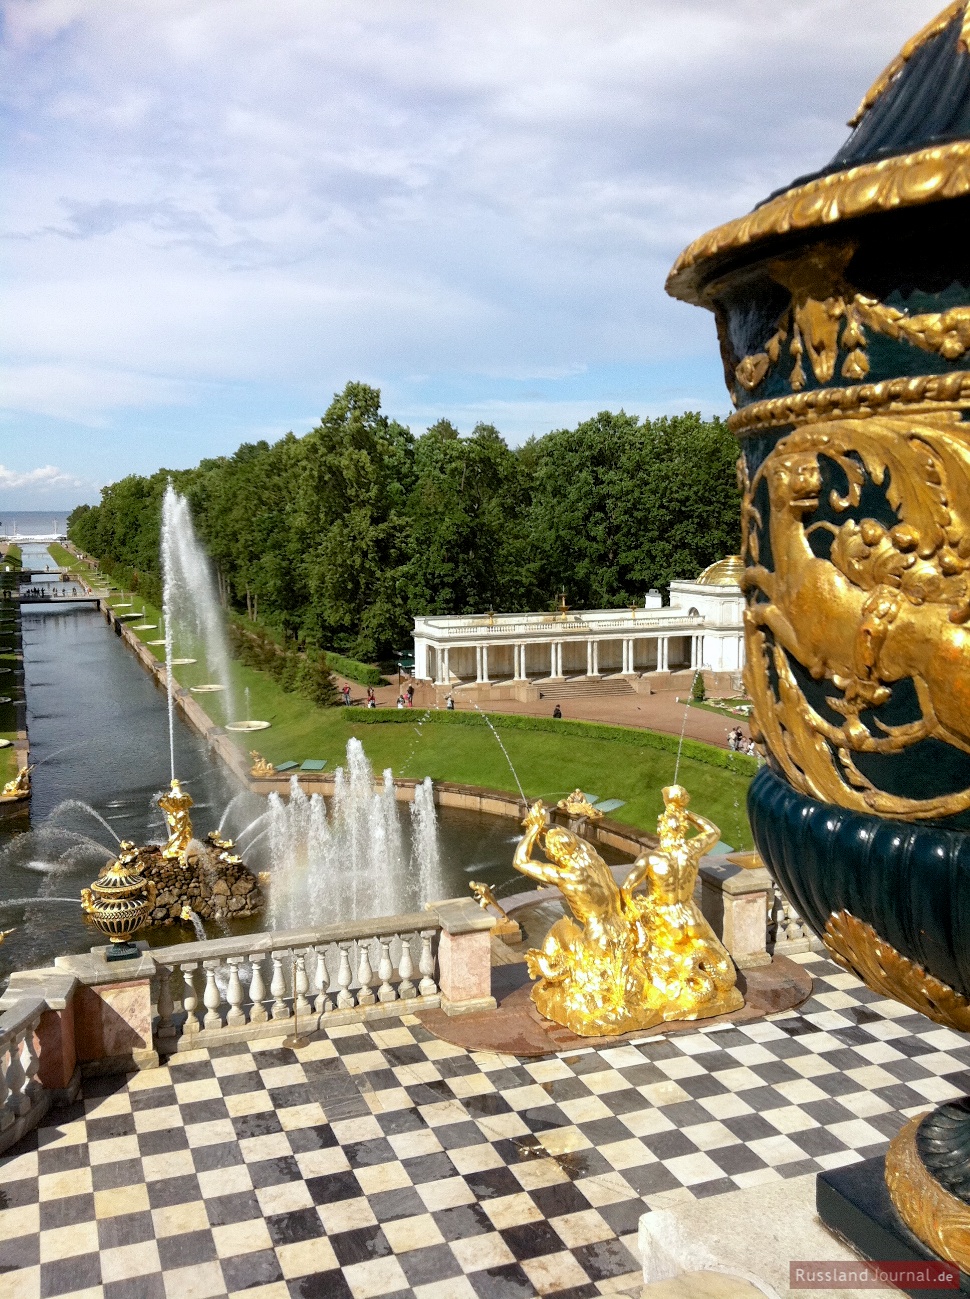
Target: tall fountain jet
[
  {"x": 353, "y": 863},
  {"x": 190, "y": 603}
]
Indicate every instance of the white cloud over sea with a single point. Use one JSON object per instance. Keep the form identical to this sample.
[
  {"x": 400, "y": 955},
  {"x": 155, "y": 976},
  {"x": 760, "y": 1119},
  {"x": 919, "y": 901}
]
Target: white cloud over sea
[{"x": 218, "y": 211}]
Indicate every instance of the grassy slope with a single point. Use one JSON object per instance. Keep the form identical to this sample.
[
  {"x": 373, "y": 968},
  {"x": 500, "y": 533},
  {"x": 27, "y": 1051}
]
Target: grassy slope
[{"x": 547, "y": 764}]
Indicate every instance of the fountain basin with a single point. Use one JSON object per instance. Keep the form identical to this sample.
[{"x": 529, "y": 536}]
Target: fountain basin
[
  {"x": 145, "y": 626},
  {"x": 208, "y": 688},
  {"x": 5, "y": 744},
  {"x": 6, "y": 699},
  {"x": 177, "y": 663},
  {"x": 155, "y": 642},
  {"x": 247, "y": 726}
]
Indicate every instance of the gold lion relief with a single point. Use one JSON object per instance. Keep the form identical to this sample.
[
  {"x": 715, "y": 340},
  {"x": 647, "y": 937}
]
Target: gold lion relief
[{"x": 889, "y": 603}]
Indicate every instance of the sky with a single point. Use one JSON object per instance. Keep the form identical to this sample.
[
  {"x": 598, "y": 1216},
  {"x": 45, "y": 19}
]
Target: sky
[{"x": 217, "y": 212}]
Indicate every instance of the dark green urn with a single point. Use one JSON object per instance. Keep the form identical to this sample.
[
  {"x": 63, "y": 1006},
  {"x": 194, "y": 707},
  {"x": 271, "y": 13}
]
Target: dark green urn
[{"x": 843, "y": 314}]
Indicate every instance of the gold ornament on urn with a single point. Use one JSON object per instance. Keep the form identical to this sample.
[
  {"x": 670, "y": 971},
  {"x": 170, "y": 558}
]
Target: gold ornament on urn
[{"x": 119, "y": 902}]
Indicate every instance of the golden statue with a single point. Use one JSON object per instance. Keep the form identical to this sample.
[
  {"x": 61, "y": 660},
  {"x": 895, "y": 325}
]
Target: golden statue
[
  {"x": 683, "y": 952},
  {"x": 260, "y": 767},
  {"x": 175, "y": 805},
  {"x": 19, "y": 787},
  {"x": 484, "y": 895},
  {"x": 631, "y": 961},
  {"x": 577, "y": 804}
]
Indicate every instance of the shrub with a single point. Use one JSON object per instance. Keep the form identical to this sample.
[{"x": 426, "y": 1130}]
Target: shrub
[
  {"x": 697, "y": 691},
  {"x": 364, "y": 674}
]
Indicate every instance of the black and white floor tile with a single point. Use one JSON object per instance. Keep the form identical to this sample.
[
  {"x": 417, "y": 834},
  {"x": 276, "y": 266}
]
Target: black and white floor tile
[{"x": 382, "y": 1162}]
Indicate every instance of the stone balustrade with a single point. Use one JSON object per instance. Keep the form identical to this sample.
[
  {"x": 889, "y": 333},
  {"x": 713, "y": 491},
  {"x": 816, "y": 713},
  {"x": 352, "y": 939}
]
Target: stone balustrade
[
  {"x": 20, "y": 1089},
  {"x": 254, "y": 986}
]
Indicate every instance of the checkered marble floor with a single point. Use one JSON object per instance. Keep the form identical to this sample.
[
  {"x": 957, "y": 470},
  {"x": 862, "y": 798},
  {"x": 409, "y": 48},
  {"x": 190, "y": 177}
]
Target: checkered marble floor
[{"x": 381, "y": 1161}]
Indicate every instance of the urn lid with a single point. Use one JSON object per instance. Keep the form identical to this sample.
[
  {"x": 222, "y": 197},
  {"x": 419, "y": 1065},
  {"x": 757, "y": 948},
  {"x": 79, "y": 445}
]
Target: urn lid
[{"x": 910, "y": 146}]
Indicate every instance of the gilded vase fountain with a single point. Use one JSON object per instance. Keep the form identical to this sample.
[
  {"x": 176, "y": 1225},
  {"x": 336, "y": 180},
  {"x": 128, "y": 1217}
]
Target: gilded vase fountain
[{"x": 842, "y": 305}]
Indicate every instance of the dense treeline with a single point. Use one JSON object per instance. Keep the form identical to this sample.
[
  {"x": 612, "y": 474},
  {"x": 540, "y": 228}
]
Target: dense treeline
[{"x": 339, "y": 538}]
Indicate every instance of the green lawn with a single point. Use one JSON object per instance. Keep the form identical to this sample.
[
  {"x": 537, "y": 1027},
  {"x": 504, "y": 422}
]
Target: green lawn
[
  {"x": 13, "y": 555},
  {"x": 548, "y": 765}
]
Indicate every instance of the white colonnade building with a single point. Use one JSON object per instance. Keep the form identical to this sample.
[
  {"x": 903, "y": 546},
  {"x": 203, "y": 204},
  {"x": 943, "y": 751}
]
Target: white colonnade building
[{"x": 700, "y": 628}]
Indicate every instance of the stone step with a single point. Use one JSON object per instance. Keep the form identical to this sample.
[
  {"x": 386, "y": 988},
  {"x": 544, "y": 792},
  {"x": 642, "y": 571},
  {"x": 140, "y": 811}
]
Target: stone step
[{"x": 584, "y": 688}]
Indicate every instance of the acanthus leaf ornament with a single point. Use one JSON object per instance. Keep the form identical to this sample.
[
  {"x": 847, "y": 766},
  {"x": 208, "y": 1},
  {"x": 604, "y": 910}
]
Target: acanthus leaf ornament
[{"x": 826, "y": 314}]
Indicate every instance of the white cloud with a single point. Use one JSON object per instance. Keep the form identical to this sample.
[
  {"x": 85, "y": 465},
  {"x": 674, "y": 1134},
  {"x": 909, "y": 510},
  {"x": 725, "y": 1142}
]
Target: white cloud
[
  {"x": 204, "y": 193},
  {"x": 44, "y": 478}
]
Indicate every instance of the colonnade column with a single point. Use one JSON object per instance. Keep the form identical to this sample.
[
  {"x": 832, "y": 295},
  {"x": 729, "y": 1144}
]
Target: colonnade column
[
  {"x": 555, "y": 658},
  {"x": 592, "y": 658},
  {"x": 478, "y": 662},
  {"x": 484, "y": 673},
  {"x": 695, "y": 646},
  {"x": 445, "y": 667},
  {"x": 518, "y": 661},
  {"x": 627, "y": 668},
  {"x": 662, "y": 654}
]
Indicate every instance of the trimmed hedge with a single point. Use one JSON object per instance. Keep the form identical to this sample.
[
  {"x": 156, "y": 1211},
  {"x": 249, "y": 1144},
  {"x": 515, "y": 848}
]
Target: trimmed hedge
[
  {"x": 364, "y": 674},
  {"x": 696, "y": 750}
]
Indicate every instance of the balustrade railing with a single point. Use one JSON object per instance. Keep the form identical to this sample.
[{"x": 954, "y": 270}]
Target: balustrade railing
[
  {"x": 250, "y": 985},
  {"x": 551, "y": 628},
  {"x": 19, "y": 1061},
  {"x": 787, "y": 931}
]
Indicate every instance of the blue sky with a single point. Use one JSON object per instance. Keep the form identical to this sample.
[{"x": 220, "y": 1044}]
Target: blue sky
[{"x": 218, "y": 211}]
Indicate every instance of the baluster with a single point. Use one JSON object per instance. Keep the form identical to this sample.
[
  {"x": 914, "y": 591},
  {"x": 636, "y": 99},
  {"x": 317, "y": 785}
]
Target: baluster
[
  {"x": 234, "y": 993},
  {"x": 165, "y": 1034},
  {"x": 190, "y": 998},
  {"x": 345, "y": 977},
  {"x": 278, "y": 988},
  {"x": 212, "y": 997},
  {"x": 406, "y": 968},
  {"x": 32, "y": 1063},
  {"x": 301, "y": 984},
  {"x": 427, "y": 987},
  {"x": 321, "y": 1002},
  {"x": 257, "y": 991},
  {"x": 385, "y": 970},
  {"x": 16, "y": 1078},
  {"x": 6, "y": 1114},
  {"x": 365, "y": 975}
]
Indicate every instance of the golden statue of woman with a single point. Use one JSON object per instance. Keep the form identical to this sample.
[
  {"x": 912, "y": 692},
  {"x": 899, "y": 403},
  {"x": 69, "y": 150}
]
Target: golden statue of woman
[
  {"x": 687, "y": 962},
  {"x": 175, "y": 805}
]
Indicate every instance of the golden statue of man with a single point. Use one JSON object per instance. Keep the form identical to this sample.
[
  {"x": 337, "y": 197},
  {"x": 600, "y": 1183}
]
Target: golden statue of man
[
  {"x": 628, "y": 960},
  {"x": 175, "y": 805},
  {"x": 20, "y": 785}
]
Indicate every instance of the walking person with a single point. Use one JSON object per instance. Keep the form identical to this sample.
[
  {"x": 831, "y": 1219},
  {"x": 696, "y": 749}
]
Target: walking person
[
  {"x": 410, "y": 695},
  {"x": 450, "y": 703},
  {"x": 371, "y": 698},
  {"x": 400, "y": 701},
  {"x": 345, "y": 691},
  {"x": 557, "y": 711}
]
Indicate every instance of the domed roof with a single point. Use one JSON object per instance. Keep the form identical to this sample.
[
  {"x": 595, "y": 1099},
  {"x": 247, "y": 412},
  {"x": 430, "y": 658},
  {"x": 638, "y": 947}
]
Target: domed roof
[{"x": 726, "y": 572}]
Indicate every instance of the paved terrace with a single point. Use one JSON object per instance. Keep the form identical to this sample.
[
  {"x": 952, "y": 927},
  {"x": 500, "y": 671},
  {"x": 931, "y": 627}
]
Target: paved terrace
[{"x": 380, "y": 1161}]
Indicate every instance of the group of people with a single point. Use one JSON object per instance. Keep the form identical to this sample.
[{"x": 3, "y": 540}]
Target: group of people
[
  {"x": 404, "y": 700},
  {"x": 739, "y": 742},
  {"x": 52, "y": 591}
]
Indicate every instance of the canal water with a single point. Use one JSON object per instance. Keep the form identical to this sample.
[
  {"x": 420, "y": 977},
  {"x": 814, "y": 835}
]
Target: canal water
[{"x": 98, "y": 732}]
